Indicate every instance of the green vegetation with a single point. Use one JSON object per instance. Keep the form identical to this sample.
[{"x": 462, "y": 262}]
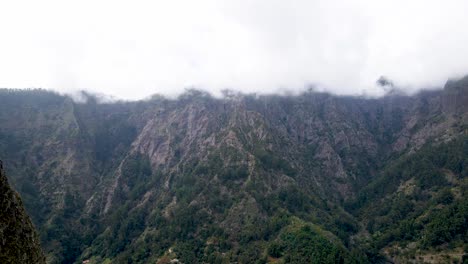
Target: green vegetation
[
  {"x": 420, "y": 198},
  {"x": 314, "y": 178},
  {"x": 303, "y": 244}
]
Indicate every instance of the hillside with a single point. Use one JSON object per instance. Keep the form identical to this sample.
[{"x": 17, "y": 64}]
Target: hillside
[
  {"x": 244, "y": 178},
  {"x": 19, "y": 242}
]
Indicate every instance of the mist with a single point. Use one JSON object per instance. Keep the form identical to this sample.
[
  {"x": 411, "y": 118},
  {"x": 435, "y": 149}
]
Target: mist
[{"x": 133, "y": 49}]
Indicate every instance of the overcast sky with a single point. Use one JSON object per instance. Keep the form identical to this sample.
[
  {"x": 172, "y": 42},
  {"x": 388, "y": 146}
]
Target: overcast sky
[{"x": 132, "y": 49}]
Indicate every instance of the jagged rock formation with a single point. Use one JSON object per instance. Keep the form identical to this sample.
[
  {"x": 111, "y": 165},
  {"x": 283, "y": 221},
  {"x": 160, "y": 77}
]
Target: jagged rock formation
[
  {"x": 19, "y": 242},
  {"x": 203, "y": 179}
]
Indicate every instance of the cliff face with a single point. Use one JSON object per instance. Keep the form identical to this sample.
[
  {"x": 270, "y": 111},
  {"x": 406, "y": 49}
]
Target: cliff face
[
  {"x": 19, "y": 242},
  {"x": 455, "y": 98},
  {"x": 141, "y": 181}
]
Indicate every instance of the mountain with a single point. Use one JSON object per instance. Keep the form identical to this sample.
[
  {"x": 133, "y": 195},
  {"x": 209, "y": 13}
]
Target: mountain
[
  {"x": 19, "y": 242},
  {"x": 245, "y": 178}
]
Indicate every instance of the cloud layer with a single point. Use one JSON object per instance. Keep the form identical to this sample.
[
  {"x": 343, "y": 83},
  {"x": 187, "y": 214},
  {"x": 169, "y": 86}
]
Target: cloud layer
[{"x": 132, "y": 49}]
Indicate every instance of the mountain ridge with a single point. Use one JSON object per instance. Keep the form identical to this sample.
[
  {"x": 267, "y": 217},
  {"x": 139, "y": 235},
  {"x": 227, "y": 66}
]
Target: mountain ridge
[{"x": 122, "y": 171}]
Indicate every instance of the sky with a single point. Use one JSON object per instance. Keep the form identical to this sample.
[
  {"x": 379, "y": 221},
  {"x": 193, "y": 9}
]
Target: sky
[{"x": 133, "y": 49}]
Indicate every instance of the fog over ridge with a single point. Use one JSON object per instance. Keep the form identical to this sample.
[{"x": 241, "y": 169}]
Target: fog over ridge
[{"x": 132, "y": 50}]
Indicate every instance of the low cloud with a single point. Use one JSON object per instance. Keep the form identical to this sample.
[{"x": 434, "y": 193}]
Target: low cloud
[{"x": 132, "y": 49}]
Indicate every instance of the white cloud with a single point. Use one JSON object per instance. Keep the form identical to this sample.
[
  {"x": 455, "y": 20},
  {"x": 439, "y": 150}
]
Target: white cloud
[{"x": 131, "y": 49}]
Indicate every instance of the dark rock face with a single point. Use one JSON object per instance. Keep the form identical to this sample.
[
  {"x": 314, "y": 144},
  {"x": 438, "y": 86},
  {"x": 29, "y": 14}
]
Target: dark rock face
[{"x": 19, "y": 242}]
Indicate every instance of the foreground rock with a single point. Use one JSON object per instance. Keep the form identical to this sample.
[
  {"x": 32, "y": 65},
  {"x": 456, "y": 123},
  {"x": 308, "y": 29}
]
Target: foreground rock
[{"x": 19, "y": 242}]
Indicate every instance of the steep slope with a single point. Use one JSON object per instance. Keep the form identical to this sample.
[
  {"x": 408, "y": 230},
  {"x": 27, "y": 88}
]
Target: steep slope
[
  {"x": 236, "y": 179},
  {"x": 415, "y": 209},
  {"x": 418, "y": 205},
  {"x": 202, "y": 170},
  {"x": 19, "y": 242}
]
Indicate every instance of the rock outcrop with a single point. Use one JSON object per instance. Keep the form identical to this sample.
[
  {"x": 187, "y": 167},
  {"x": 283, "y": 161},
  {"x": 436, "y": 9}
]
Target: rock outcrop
[{"x": 19, "y": 242}]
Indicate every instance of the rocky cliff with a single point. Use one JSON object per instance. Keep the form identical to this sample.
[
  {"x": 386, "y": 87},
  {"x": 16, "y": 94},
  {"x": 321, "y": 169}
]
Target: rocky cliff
[{"x": 209, "y": 179}]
